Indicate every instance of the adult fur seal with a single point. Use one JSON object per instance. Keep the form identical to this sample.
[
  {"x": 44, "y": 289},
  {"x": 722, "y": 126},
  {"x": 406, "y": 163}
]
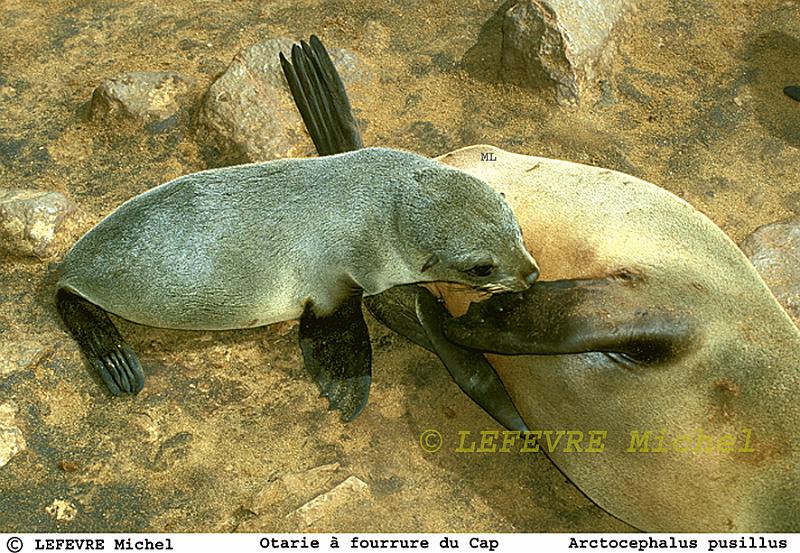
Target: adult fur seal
[
  {"x": 255, "y": 244},
  {"x": 650, "y": 326},
  {"x": 651, "y": 322}
]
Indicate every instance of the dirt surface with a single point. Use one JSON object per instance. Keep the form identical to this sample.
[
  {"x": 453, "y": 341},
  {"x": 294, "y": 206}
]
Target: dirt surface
[{"x": 229, "y": 427}]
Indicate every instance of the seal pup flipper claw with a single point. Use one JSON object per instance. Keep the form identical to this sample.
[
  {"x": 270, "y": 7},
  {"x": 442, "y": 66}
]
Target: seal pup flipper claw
[
  {"x": 101, "y": 343},
  {"x": 321, "y": 98},
  {"x": 470, "y": 369},
  {"x": 337, "y": 353},
  {"x": 574, "y": 316}
]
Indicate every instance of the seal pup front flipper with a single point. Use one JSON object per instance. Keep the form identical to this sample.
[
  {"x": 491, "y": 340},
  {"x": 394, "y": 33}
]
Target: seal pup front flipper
[
  {"x": 337, "y": 353},
  {"x": 575, "y": 316},
  {"x": 101, "y": 343},
  {"x": 336, "y": 347},
  {"x": 470, "y": 369}
]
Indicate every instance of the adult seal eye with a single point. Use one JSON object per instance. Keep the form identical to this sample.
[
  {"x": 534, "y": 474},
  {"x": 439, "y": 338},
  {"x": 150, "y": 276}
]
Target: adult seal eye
[{"x": 481, "y": 270}]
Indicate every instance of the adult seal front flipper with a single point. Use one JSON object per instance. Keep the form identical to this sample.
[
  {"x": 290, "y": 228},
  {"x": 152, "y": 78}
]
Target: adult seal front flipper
[
  {"x": 470, "y": 369},
  {"x": 396, "y": 308},
  {"x": 338, "y": 354},
  {"x": 101, "y": 344},
  {"x": 575, "y": 316}
]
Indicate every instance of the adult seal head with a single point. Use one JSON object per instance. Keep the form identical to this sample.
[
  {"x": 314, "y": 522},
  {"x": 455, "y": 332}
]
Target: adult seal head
[{"x": 649, "y": 327}]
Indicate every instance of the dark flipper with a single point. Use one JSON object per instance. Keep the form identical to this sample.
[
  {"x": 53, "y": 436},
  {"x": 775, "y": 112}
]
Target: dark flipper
[
  {"x": 396, "y": 309},
  {"x": 321, "y": 98},
  {"x": 337, "y": 353},
  {"x": 101, "y": 343},
  {"x": 470, "y": 369},
  {"x": 413, "y": 312},
  {"x": 576, "y": 316}
]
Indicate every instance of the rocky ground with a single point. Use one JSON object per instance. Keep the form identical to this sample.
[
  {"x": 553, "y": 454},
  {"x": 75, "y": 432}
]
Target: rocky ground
[{"x": 229, "y": 433}]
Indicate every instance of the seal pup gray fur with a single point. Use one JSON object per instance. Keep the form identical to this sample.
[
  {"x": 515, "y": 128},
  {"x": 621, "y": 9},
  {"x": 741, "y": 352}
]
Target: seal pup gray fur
[{"x": 254, "y": 244}]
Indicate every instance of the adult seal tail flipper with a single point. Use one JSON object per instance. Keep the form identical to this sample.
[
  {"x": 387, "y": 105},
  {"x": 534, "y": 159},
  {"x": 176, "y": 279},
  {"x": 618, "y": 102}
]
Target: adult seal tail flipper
[
  {"x": 321, "y": 98},
  {"x": 336, "y": 348}
]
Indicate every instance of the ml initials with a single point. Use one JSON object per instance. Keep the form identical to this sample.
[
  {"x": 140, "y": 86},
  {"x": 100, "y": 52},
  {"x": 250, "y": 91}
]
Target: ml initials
[{"x": 488, "y": 156}]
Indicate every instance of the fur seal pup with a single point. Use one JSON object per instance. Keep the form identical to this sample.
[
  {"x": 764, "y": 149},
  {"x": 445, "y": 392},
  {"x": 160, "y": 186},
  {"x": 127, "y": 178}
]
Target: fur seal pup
[
  {"x": 649, "y": 328},
  {"x": 255, "y": 244}
]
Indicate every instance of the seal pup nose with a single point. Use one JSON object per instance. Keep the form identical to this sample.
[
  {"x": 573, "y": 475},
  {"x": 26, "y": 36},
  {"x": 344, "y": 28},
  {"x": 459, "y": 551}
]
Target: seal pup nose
[{"x": 531, "y": 278}]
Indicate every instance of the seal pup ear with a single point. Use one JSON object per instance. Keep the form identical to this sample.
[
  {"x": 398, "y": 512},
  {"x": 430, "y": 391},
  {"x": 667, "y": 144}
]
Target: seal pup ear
[{"x": 432, "y": 260}]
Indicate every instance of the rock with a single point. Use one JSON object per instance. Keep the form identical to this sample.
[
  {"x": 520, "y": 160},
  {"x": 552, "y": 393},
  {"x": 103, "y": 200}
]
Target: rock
[
  {"x": 62, "y": 510},
  {"x": 248, "y": 113},
  {"x": 142, "y": 95},
  {"x": 774, "y": 250},
  {"x": 11, "y": 439},
  {"x": 34, "y": 223},
  {"x": 566, "y": 44},
  {"x": 292, "y": 487},
  {"x": 19, "y": 352},
  {"x": 349, "y": 491}
]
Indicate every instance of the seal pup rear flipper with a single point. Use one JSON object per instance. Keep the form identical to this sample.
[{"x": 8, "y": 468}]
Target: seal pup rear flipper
[
  {"x": 101, "y": 343},
  {"x": 336, "y": 347},
  {"x": 321, "y": 98}
]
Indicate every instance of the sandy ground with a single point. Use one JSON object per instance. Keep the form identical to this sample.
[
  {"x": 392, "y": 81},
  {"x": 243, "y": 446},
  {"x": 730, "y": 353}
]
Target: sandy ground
[{"x": 229, "y": 426}]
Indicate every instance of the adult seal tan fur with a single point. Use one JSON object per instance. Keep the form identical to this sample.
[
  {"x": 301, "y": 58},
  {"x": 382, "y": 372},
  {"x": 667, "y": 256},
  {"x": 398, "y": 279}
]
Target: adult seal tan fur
[
  {"x": 649, "y": 326},
  {"x": 255, "y": 244}
]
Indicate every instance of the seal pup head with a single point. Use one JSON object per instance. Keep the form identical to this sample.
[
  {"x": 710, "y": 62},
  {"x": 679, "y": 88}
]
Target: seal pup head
[{"x": 457, "y": 229}]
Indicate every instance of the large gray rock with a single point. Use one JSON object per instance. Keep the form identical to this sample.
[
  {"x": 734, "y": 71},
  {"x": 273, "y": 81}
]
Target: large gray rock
[
  {"x": 141, "y": 95},
  {"x": 34, "y": 223},
  {"x": 774, "y": 250},
  {"x": 565, "y": 44},
  {"x": 249, "y": 113}
]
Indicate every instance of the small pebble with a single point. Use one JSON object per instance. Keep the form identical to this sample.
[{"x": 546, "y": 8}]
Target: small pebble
[{"x": 792, "y": 92}]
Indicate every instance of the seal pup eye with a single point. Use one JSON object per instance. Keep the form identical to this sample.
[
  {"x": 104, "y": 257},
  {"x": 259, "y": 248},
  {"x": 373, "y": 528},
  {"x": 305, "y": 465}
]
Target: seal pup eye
[{"x": 481, "y": 270}]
